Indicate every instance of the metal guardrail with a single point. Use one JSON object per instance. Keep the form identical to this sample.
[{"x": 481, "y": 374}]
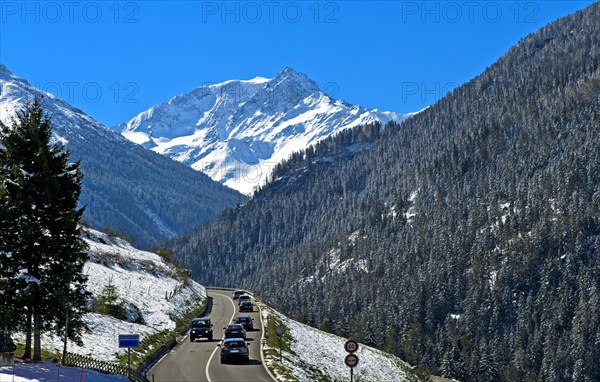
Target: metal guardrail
[
  {"x": 219, "y": 288},
  {"x": 158, "y": 354},
  {"x": 229, "y": 289}
]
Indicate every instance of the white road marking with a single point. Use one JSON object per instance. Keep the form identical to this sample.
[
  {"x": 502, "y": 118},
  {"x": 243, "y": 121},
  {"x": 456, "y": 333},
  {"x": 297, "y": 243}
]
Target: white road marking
[{"x": 214, "y": 351}]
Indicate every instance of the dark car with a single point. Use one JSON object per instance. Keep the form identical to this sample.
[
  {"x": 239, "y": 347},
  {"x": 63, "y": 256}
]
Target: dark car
[
  {"x": 243, "y": 298},
  {"x": 235, "y": 331},
  {"x": 237, "y": 294},
  {"x": 234, "y": 349},
  {"x": 246, "y": 306},
  {"x": 246, "y": 321},
  {"x": 201, "y": 328}
]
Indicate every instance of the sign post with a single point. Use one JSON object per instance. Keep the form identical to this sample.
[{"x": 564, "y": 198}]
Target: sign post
[
  {"x": 351, "y": 359},
  {"x": 129, "y": 341},
  {"x": 280, "y": 330}
]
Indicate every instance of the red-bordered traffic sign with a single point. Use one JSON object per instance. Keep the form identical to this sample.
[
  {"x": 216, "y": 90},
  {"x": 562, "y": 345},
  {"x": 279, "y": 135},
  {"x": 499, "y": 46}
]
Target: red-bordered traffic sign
[
  {"x": 351, "y": 360},
  {"x": 351, "y": 346}
]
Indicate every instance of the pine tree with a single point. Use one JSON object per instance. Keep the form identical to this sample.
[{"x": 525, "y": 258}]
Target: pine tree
[
  {"x": 446, "y": 369},
  {"x": 453, "y": 365},
  {"x": 390, "y": 342},
  {"x": 488, "y": 366},
  {"x": 370, "y": 338},
  {"x": 325, "y": 326},
  {"x": 109, "y": 302},
  {"x": 40, "y": 190},
  {"x": 9, "y": 309}
]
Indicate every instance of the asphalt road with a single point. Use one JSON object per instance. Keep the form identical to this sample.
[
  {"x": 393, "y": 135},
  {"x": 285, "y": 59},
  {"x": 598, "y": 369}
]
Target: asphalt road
[{"x": 200, "y": 361}]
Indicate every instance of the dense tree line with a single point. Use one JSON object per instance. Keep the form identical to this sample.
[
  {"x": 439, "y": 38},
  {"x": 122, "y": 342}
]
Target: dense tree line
[
  {"x": 41, "y": 251},
  {"x": 465, "y": 240}
]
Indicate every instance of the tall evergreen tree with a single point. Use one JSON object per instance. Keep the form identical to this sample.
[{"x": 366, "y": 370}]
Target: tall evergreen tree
[
  {"x": 9, "y": 313},
  {"x": 39, "y": 227},
  {"x": 488, "y": 366}
]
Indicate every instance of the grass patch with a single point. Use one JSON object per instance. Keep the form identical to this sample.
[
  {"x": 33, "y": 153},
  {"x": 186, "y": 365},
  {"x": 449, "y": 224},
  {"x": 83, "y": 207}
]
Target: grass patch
[
  {"x": 46, "y": 353},
  {"x": 275, "y": 341},
  {"x": 110, "y": 259}
]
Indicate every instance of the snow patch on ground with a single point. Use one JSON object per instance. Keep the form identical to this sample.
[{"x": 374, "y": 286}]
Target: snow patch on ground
[
  {"x": 411, "y": 211},
  {"x": 50, "y": 372}
]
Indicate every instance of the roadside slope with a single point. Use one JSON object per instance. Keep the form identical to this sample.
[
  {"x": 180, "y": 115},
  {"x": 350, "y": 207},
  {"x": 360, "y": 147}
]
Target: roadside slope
[
  {"x": 311, "y": 354},
  {"x": 151, "y": 293}
]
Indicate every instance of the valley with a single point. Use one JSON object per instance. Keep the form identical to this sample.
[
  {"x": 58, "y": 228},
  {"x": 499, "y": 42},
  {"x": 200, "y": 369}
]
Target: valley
[{"x": 424, "y": 188}]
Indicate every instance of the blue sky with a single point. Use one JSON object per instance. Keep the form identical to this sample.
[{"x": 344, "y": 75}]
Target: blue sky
[{"x": 114, "y": 59}]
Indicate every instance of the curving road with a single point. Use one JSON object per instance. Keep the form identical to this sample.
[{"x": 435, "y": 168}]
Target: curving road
[{"x": 200, "y": 361}]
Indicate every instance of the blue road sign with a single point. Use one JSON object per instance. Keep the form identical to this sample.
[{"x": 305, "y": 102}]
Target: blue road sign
[{"x": 129, "y": 340}]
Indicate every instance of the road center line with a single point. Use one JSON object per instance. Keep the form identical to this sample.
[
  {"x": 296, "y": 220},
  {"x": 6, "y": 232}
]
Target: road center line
[{"x": 214, "y": 351}]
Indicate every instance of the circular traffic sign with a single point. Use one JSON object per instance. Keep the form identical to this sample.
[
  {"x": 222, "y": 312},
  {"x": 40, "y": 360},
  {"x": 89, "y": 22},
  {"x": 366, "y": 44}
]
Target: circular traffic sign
[
  {"x": 280, "y": 329},
  {"x": 351, "y": 346},
  {"x": 351, "y": 360}
]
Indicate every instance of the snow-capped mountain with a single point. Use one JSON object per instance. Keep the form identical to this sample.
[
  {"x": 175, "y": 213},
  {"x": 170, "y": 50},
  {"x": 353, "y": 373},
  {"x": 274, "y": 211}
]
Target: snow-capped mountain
[
  {"x": 126, "y": 187},
  {"x": 237, "y": 131}
]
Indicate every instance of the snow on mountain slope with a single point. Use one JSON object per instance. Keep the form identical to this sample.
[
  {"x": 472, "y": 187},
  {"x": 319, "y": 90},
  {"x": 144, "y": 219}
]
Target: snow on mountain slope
[
  {"x": 237, "y": 131},
  {"x": 142, "y": 279},
  {"x": 125, "y": 186},
  {"x": 68, "y": 120},
  {"x": 317, "y": 355}
]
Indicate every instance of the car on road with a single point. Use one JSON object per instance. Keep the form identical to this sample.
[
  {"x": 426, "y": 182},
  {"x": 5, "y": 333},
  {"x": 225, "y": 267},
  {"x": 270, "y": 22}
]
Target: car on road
[
  {"x": 235, "y": 331},
  {"x": 243, "y": 298},
  {"x": 246, "y": 321},
  {"x": 237, "y": 294},
  {"x": 201, "y": 328},
  {"x": 234, "y": 349},
  {"x": 246, "y": 306}
]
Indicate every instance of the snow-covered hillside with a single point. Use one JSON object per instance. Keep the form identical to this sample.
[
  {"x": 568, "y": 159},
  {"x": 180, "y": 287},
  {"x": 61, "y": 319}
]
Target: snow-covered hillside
[
  {"x": 317, "y": 355},
  {"x": 143, "y": 282},
  {"x": 237, "y": 131},
  {"x": 125, "y": 186}
]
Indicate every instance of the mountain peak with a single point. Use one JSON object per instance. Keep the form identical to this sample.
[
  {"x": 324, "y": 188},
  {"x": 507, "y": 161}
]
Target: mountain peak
[
  {"x": 237, "y": 130},
  {"x": 287, "y": 71},
  {"x": 290, "y": 77}
]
